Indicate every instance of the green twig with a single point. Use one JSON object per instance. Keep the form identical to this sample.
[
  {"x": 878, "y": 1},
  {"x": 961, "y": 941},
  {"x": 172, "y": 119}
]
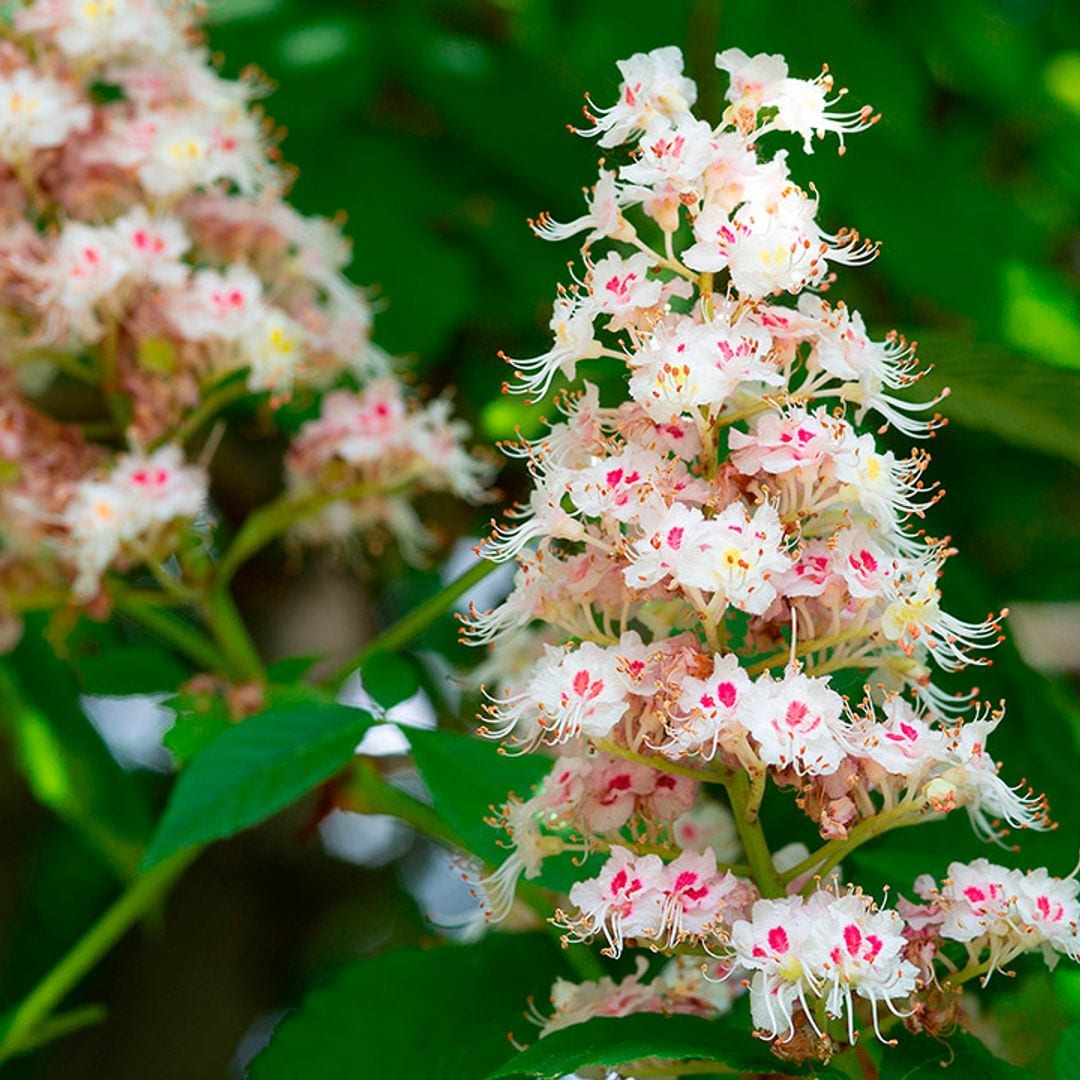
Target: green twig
[
  {"x": 273, "y": 520},
  {"x": 752, "y": 837},
  {"x": 58, "y": 1027},
  {"x": 830, "y": 855},
  {"x": 807, "y": 647},
  {"x": 972, "y": 971},
  {"x": 179, "y": 633},
  {"x": 225, "y": 623},
  {"x": 29, "y": 1017},
  {"x": 718, "y": 774},
  {"x": 418, "y": 620},
  {"x": 216, "y": 400}
]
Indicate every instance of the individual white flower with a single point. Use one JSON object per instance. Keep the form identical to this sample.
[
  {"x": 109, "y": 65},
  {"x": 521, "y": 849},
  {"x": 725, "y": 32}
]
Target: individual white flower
[
  {"x": 772, "y": 943},
  {"x": 913, "y": 617},
  {"x": 530, "y": 848},
  {"x": 804, "y": 107},
  {"x": 774, "y": 245},
  {"x": 863, "y": 955},
  {"x": 734, "y": 557},
  {"x": 573, "y": 692},
  {"x": 779, "y": 442},
  {"x": 84, "y": 270},
  {"x": 626, "y": 900},
  {"x": 973, "y": 781},
  {"x": 152, "y": 246},
  {"x": 161, "y": 486},
  {"x": 673, "y": 154},
  {"x": 1049, "y": 906},
  {"x": 904, "y": 744},
  {"x": 621, "y": 287},
  {"x": 653, "y": 86},
  {"x": 668, "y": 533},
  {"x": 219, "y": 306},
  {"x": 708, "y": 709},
  {"x": 755, "y": 80},
  {"x": 604, "y": 221},
  {"x": 863, "y": 564},
  {"x": 977, "y": 899},
  {"x": 274, "y": 351},
  {"x": 887, "y": 488},
  {"x": 98, "y": 518},
  {"x": 141, "y": 493},
  {"x": 797, "y": 723},
  {"x": 37, "y": 112},
  {"x": 572, "y": 320}
]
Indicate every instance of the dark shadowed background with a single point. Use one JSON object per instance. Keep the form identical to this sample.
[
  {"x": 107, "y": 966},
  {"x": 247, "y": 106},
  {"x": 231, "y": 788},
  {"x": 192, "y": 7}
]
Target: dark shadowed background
[{"x": 439, "y": 128}]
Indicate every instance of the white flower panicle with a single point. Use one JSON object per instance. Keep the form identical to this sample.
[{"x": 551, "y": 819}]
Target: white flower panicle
[
  {"x": 997, "y": 914},
  {"x": 128, "y": 510},
  {"x": 700, "y": 560},
  {"x": 149, "y": 249},
  {"x": 831, "y": 947}
]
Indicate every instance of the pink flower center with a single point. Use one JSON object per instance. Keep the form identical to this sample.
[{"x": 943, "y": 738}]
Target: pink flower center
[
  {"x": 778, "y": 939},
  {"x": 620, "y": 287},
  {"x": 727, "y": 694},
  {"x": 852, "y": 939},
  {"x": 586, "y": 687}
]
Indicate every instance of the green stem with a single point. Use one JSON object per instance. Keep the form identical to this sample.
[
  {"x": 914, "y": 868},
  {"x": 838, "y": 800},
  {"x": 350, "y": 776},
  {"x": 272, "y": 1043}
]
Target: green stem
[
  {"x": 831, "y": 854},
  {"x": 213, "y": 403},
  {"x": 232, "y": 635},
  {"x": 59, "y": 1027},
  {"x": 177, "y": 632},
  {"x": 972, "y": 971},
  {"x": 369, "y": 793},
  {"x": 272, "y": 520},
  {"x": 752, "y": 837},
  {"x": 132, "y": 905},
  {"x": 418, "y": 620},
  {"x": 807, "y": 647},
  {"x": 717, "y": 775}
]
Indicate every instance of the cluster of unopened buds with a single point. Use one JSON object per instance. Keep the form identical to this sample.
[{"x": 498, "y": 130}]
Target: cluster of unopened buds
[
  {"x": 700, "y": 562},
  {"x": 148, "y": 255}
]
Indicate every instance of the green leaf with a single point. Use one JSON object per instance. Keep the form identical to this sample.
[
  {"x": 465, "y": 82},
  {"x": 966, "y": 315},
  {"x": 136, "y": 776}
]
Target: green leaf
[
  {"x": 365, "y": 1021},
  {"x": 608, "y": 1042},
  {"x": 68, "y": 767},
  {"x": 200, "y": 719},
  {"x": 201, "y": 716},
  {"x": 995, "y": 389},
  {"x": 469, "y": 777},
  {"x": 252, "y": 770},
  {"x": 1067, "y": 1055},
  {"x": 135, "y": 668},
  {"x": 920, "y": 1058},
  {"x": 290, "y": 669},
  {"x": 113, "y": 659},
  {"x": 390, "y": 678}
]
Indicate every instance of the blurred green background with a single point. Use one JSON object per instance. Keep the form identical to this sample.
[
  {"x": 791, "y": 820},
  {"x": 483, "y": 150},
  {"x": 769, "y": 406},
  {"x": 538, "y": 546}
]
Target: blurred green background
[{"x": 439, "y": 128}]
